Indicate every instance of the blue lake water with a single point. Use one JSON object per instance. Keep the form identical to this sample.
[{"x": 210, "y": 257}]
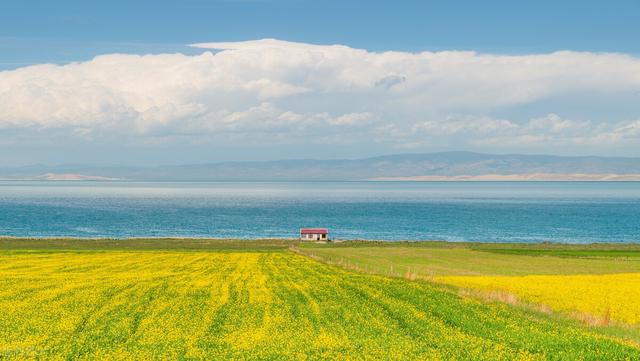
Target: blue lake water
[{"x": 571, "y": 212}]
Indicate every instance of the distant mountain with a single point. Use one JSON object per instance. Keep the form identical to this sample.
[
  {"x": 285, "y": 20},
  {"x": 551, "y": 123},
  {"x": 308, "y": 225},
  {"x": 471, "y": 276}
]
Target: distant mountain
[
  {"x": 428, "y": 166},
  {"x": 73, "y": 177}
]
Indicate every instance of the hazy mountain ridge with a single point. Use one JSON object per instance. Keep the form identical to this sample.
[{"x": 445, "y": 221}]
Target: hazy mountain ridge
[{"x": 442, "y": 166}]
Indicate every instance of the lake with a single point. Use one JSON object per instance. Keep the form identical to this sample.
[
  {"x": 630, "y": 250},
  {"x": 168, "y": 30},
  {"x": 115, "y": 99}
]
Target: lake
[{"x": 568, "y": 212}]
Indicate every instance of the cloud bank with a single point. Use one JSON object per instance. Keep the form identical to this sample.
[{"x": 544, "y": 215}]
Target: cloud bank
[{"x": 290, "y": 93}]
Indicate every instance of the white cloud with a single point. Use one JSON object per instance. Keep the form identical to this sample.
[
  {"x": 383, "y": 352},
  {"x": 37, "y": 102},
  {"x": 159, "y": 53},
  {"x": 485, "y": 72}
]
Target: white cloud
[
  {"x": 548, "y": 132},
  {"x": 246, "y": 90}
]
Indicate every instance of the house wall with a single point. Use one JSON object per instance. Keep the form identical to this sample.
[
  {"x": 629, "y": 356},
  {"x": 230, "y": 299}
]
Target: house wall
[{"x": 313, "y": 237}]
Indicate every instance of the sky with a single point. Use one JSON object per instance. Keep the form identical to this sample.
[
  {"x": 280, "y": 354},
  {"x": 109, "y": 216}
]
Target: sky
[{"x": 160, "y": 82}]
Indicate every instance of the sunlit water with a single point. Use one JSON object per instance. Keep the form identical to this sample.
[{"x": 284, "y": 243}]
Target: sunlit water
[{"x": 571, "y": 212}]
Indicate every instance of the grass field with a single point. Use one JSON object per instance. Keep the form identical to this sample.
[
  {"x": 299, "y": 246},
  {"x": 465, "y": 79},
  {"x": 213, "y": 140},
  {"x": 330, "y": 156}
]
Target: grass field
[
  {"x": 598, "y": 284},
  {"x": 259, "y": 301},
  {"x": 430, "y": 259}
]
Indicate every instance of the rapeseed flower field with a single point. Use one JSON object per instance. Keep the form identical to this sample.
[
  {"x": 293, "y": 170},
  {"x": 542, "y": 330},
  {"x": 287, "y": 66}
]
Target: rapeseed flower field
[
  {"x": 271, "y": 305},
  {"x": 606, "y": 297}
]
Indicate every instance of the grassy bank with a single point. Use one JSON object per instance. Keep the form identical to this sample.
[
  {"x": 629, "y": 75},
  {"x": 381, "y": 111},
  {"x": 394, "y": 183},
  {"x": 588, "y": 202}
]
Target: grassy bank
[
  {"x": 143, "y": 244},
  {"x": 258, "y": 305}
]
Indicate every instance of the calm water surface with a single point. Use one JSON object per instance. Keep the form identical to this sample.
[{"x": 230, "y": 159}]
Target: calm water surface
[{"x": 572, "y": 212}]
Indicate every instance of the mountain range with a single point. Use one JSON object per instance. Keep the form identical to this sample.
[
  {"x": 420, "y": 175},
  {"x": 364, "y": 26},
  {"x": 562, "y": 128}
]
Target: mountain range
[{"x": 418, "y": 167}]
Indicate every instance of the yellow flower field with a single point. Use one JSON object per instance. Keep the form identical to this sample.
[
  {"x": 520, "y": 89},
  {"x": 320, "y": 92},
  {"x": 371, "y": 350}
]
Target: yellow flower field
[
  {"x": 271, "y": 305},
  {"x": 611, "y": 296}
]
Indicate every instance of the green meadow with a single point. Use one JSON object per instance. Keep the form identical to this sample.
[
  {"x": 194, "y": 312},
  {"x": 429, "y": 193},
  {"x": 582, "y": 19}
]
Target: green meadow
[{"x": 458, "y": 259}]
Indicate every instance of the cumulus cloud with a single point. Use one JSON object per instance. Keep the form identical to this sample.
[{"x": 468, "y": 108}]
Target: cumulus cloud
[
  {"x": 548, "y": 132},
  {"x": 246, "y": 90},
  {"x": 390, "y": 80}
]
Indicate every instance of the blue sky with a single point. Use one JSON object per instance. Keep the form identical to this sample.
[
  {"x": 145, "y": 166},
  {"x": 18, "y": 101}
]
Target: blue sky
[
  {"x": 59, "y": 31},
  {"x": 492, "y": 76}
]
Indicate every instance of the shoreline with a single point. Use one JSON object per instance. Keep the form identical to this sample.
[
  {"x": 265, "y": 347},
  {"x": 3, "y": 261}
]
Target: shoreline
[
  {"x": 189, "y": 242},
  {"x": 485, "y": 178}
]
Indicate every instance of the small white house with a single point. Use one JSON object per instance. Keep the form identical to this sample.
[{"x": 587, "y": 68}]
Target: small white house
[{"x": 314, "y": 234}]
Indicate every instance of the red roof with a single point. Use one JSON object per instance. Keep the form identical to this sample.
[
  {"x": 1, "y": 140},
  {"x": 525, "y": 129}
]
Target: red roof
[{"x": 314, "y": 231}]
